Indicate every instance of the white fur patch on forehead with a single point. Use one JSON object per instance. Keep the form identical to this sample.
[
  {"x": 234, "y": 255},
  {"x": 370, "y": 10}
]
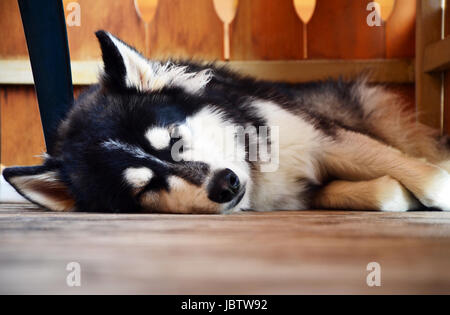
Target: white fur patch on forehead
[
  {"x": 145, "y": 75},
  {"x": 158, "y": 137},
  {"x": 213, "y": 141},
  {"x": 138, "y": 177}
]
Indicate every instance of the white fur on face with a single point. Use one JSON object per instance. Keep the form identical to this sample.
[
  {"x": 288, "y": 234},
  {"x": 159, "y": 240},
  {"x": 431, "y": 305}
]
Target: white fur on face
[
  {"x": 138, "y": 177},
  {"x": 158, "y": 137},
  {"x": 210, "y": 138},
  {"x": 153, "y": 76}
]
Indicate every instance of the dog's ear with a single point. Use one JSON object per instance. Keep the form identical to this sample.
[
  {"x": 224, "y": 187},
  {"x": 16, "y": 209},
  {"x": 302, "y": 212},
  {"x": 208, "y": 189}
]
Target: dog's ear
[
  {"x": 41, "y": 185},
  {"x": 124, "y": 66}
]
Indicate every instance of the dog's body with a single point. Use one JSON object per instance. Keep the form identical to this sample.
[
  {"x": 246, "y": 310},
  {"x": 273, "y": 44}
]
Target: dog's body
[{"x": 181, "y": 137}]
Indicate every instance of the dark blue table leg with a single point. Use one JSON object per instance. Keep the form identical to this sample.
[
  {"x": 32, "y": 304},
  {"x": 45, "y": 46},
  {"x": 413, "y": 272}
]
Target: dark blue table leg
[{"x": 46, "y": 34}]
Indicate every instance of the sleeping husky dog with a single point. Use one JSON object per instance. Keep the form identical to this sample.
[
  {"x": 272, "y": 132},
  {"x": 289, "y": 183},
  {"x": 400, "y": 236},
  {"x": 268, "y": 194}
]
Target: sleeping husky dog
[{"x": 184, "y": 137}]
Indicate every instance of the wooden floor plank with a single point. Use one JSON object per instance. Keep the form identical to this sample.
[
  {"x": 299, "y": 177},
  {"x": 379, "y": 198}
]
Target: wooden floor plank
[{"x": 248, "y": 253}]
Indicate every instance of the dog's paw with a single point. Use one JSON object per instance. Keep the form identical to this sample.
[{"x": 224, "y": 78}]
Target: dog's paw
[
  {"x": 436, "y": 191},
  {"x": 394, "y": 197}
]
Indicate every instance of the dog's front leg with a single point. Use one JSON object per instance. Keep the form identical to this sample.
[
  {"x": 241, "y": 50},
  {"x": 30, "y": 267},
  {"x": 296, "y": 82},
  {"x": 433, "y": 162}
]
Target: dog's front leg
[
  {"x": 384, "y": 193},
  {"x": 354, "y": 156}
]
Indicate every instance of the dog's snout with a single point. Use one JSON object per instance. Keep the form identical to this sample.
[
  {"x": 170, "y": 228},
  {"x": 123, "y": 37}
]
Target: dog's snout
[{"x": 224, "y": 186}]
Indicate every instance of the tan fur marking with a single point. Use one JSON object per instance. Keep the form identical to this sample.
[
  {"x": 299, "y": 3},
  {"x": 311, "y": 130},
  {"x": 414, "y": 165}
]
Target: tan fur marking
[
  {"x": 358, "y": 157},
  {"x": 387, "y": 117},
  {"x": 384, "y": 193},
  {"x": 183, "y": 198}
]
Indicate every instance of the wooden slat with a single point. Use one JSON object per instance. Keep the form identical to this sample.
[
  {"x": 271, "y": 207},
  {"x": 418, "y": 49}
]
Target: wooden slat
[
  {"x": 447, "y": 103},
  {"x": 428, "y": 86},
  {"x": 21, "y": 130},
  {"x": 447, "y": 76},
  {"x": 437, "y": 56},
  {"x": 19, "y": 72},
  {"x": 398, "y": 71},
  {"x": 339, "y": 30},
  {"x": 16, "y": 72},
  {"x": 447, "y": 18},
  {"x": 13, "y": 44},
  {"x": 186, "y": 29},
  {"x": 118, "y": 17},
  {"x": 266, "y": 30},
  {"x": 446, "y": 122},
  {"x": 381, "y": 70},
  {"x": 401, "y": 30}
]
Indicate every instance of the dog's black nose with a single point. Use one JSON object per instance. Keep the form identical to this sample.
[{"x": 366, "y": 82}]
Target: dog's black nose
[{"x": 224, "y": 186}]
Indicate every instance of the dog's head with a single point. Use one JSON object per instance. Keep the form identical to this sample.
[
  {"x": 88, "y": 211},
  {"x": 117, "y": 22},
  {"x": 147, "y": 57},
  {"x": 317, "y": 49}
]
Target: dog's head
[{"x": 147, "y": 138}]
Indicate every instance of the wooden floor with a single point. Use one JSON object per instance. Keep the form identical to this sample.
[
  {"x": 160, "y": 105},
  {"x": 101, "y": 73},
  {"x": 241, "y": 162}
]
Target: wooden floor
[{"x": 250, "y": 253}]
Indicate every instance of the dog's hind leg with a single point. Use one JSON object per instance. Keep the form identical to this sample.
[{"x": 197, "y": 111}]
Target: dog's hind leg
[
  {"x": 387, "y": 117},
  {"x": 354, "y": 156},
  {"x": 384, "y": 193}
]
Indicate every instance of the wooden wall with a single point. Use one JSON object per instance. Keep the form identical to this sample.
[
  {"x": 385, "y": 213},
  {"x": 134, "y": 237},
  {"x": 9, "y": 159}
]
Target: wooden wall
[
  {"x": 447, "y": 77},
  {"x": 261, "y": 30}
]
